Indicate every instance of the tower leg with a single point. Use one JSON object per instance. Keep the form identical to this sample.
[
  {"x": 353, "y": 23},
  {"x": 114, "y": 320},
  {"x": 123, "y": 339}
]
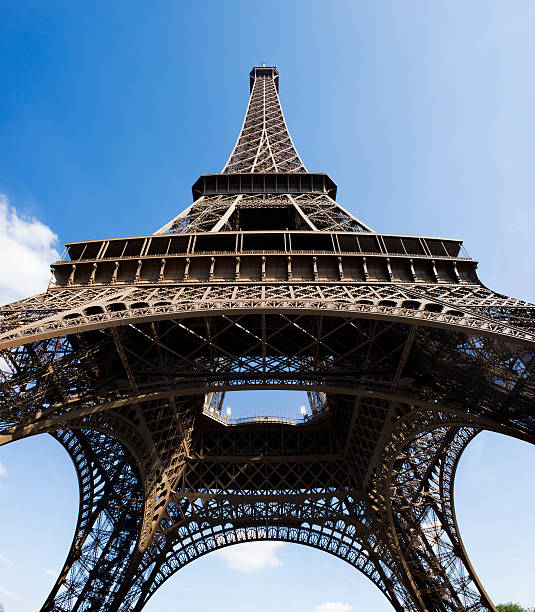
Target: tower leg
[
  {"x": 111, "y": 501},
  {"x": 421, "y": 517}
]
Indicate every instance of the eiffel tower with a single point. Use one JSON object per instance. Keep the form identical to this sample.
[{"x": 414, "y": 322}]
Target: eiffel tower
[{"x": 266, "y": 282}]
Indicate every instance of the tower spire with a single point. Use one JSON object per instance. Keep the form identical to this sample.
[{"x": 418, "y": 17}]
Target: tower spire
[
  {"x": 264, "y": 144},
  {"x": 264, "y": 184}
]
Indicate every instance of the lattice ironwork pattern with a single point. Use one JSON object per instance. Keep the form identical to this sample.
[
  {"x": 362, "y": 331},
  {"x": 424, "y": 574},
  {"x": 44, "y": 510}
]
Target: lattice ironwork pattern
[
  {"x": 314, "y": 211},
  {"x": 130, "y": 377},
  {"x": 264, "y": 143}
]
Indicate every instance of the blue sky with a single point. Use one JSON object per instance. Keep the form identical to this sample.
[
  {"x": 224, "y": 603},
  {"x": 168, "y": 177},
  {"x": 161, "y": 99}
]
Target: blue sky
[{"x": 423, "y": 113}]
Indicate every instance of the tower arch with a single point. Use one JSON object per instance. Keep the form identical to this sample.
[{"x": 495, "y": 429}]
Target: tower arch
[{"x": 265, "y": 281}]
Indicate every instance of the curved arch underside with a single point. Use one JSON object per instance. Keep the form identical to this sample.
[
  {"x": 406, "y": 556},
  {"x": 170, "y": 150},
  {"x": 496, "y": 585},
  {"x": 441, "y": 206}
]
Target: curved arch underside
[
  {"x": 467, "y": 308},
  {"x": 369, "y": 477}
]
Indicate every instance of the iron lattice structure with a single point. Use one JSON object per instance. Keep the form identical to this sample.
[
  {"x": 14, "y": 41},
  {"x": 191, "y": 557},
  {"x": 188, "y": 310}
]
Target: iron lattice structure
[{"x": 266, "y": 282}]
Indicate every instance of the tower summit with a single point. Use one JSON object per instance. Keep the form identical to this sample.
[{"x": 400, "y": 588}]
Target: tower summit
[
  {"x": 264, "y": 144},
  {"x": 266, "y": 282},
  {"x": 266, "y": 183}
]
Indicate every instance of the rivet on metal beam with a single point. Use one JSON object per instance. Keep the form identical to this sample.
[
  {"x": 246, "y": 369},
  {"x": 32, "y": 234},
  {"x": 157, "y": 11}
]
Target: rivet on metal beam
[
  {"x": 456, "y": 272},
  {"x": 389, "y": 269},
  {"x": 186, "y": 269},
  {"x": 365, "y": 269},
  {"x": 115, "y": 273},
  {"x": 412, "y": 271},
  {"x": 212, "y": 267},
  {"x": 138, "y": 271},
  {"x": 93, "y": 273},
  {"x": 340, "y": 269},
  {"x": 161, "y": 275},
  {"x": 434, "y": 268},
  {"x": 71, "y": 276}
]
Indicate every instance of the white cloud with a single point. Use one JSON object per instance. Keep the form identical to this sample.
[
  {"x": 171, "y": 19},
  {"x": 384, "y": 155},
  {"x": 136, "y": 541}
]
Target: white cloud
[
  {"x": 333, "y": 606},
  {"x": 26, "y": 252},
  {"x": 5, "y": 561},
  {"x": 252, "y": 556},
  {"x": 7, "y": 593},
  {"x": 3, "y": 470},
  {"x": 52, "y": 573}
]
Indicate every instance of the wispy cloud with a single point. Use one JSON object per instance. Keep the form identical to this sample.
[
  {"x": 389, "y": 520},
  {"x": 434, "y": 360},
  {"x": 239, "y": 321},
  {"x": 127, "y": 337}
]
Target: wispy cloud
[
  {"x": 52, "y": 573},
  {"x": 333, "y": 606},
  {"x": 7, "y": 593},
  {"x": 252, "y": 556},
  {"x": 26, "y": 252},
  {"x": 4, "y": 560},
  {"x": 3, "y": 470}
]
